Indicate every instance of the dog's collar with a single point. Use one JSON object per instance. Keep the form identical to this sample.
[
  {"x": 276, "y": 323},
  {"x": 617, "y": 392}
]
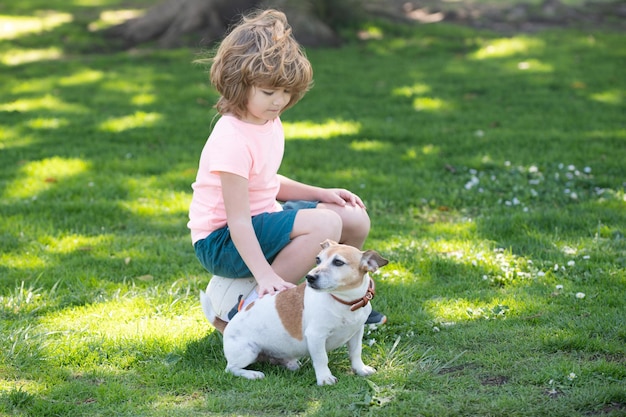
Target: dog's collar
[{"x": 359, "y": 302}]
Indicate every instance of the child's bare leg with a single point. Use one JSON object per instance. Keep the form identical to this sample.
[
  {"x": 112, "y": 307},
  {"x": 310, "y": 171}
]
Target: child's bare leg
[
  {"x": 310, "y": 228},
  {"x": 355, "y": 223}
]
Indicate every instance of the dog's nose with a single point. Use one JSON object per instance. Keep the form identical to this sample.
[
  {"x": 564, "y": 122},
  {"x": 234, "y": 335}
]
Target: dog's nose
[{"x": 310, "y": 278}]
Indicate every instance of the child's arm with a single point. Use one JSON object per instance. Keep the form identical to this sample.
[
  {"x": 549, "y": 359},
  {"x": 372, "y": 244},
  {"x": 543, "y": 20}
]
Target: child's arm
[
  {"x": 294, "y": 190},
  {"x": 235, "y": 192}
]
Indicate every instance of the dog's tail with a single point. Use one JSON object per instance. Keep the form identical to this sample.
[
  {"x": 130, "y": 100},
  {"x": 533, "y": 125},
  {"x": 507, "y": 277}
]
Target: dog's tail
[{"x": 210, "y": 314}]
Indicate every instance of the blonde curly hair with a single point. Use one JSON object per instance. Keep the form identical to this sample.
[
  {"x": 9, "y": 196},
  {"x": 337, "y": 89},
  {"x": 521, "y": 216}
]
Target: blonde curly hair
[{"x": 260, "y": 51}]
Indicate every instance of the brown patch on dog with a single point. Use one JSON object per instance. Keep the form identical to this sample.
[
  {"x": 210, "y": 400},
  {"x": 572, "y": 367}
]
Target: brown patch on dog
[
  {"x": 290, "y": 304},
  {"x": 249, "y": 306},
  {"x": 219, "y": 324}
]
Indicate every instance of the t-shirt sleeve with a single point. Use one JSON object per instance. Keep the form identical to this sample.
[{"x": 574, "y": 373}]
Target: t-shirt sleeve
[{"x": 229, "y": 153}]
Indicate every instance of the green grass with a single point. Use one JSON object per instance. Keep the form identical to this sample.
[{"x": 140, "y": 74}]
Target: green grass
[{"x": 493, "y": 169}]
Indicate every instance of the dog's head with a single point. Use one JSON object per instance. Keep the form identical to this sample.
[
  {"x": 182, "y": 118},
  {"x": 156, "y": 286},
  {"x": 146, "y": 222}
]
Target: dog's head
[{"x": 342, "y": 267}]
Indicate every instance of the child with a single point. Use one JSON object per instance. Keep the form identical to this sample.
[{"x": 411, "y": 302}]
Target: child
[{"x": 238, "y": 228}]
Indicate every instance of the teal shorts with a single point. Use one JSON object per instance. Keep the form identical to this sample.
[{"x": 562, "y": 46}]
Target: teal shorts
[{"x": 218, "y": 254}]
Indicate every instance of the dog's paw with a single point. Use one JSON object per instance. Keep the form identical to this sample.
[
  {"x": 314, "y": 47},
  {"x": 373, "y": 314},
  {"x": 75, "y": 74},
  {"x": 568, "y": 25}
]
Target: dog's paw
[
  {"x": 365, "y": 371},
  {"x": 246, "y": 373},
  {"x": 329, "y": 379}
]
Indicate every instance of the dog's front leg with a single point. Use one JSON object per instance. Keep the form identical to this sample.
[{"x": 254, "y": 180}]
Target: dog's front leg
[
  {"x": 354, "y": 351},
  {"x": 317, "y": 350}
]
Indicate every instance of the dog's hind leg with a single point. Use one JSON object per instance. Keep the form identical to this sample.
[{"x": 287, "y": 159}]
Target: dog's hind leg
[{"x": 240, "y": 354}]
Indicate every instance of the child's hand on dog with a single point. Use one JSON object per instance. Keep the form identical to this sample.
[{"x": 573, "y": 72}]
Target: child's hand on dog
[{"x": 271, "y": 285}]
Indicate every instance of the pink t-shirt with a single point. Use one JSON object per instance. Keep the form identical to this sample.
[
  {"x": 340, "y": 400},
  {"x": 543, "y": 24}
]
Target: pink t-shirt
[{"x": 254, "y": 152}]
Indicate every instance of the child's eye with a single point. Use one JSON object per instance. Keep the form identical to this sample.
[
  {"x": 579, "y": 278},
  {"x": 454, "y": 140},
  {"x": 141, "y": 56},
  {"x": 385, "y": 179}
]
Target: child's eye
[{"x": 268, "y": 93}]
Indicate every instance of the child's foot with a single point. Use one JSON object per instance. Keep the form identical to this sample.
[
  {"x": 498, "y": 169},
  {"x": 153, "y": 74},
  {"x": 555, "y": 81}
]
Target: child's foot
[{"x": 376, "y": 318}]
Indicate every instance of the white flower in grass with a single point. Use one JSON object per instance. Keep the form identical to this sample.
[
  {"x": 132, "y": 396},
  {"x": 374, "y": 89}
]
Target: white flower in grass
[
  {"x": 571, "y": 376},
  {"x": 559, "y": 287},
  {"x": 371, "y": 342},
  {"x": 571, "y": 263},
  {"x": 573, "y": 196},
  {"x": 556, "y": 267},
  {"x": 580, "y": 295},
  {"x": 541, "y": 274},
  {"x": 586, "y": 257},
  {"x": 587, "y": 170}
]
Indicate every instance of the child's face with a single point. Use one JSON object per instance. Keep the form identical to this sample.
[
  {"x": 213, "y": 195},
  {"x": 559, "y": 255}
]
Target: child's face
[{"x": 265, "y": 104}]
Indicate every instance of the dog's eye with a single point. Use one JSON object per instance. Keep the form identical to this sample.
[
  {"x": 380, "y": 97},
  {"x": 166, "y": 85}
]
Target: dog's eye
[
  {"x": 317, "y": 260},
  {"x": 338, "y": 262}
]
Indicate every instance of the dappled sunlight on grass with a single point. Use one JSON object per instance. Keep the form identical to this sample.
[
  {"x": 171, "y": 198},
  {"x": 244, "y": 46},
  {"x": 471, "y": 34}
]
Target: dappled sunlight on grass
[
  {"x": 448, "y": 311},
  {"x": 133, "y": 318},
  {"x": 84, "y": 76},
  {"x": 18, "y": 56},
  {"x": 45, "y": 123},
  {"x": 500, "y": 48},
  {"x": 490, "y": 168},
  {"x": 39, "y": 176},
  {"x": 430, "y": 104},
  {"x": 370, "y": 146},
  {"x": 412, "y": 90},
  {"x": 12, "y": 27},
  {"x": 129, "y": 328},
  {"x": 326, "y": 130},
  {"x": 159, "y": 203},
  {"x": 614, "y": 97},
  {"x": 420, "y": 101},
  {"x": 23, "y": 260},
  {"x": 139, "y": 119},
  {"x": 70, "y": 243},
  {"x": 143, "y": 99},
  {"x": 113, "y": 17},
  {"x": 45, "y": 102}
]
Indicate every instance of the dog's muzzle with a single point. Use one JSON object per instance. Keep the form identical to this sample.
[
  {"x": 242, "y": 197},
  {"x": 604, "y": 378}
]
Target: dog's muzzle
[{"x": 312, "y": 279}]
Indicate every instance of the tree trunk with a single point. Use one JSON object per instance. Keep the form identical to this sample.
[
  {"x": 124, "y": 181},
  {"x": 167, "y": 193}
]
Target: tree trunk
[{"x": 177, "y": 22}]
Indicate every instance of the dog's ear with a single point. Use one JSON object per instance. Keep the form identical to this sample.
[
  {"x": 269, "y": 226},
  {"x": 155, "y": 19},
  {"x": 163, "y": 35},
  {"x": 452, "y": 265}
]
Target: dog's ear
[
  {"x": 328, "y": 243},
  {"x": 371, "y": 260}
]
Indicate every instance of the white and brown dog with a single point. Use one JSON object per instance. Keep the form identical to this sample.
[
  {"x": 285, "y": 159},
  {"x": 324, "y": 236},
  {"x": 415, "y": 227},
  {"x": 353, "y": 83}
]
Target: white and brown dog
[{"x": 326, "y": 312}]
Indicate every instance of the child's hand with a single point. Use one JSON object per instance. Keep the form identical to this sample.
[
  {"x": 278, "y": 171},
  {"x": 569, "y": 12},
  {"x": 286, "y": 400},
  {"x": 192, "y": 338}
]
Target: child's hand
[
  {"x": 342, "y": 197},
  {"x": 271, "y": 285}
]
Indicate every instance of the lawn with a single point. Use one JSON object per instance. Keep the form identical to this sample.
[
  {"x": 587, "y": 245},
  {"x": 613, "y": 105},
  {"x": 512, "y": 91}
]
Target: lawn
[{"x": 492, "y": 167}]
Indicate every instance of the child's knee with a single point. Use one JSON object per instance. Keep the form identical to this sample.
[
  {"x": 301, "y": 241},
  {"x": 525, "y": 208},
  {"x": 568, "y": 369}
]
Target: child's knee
[
  {"x": 331, "y": 224},
  {"x": 357, "y": 222}
]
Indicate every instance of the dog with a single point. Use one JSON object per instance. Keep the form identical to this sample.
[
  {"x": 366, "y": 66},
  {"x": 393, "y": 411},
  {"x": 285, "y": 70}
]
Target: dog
[{"x": 325, "y": 312}]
